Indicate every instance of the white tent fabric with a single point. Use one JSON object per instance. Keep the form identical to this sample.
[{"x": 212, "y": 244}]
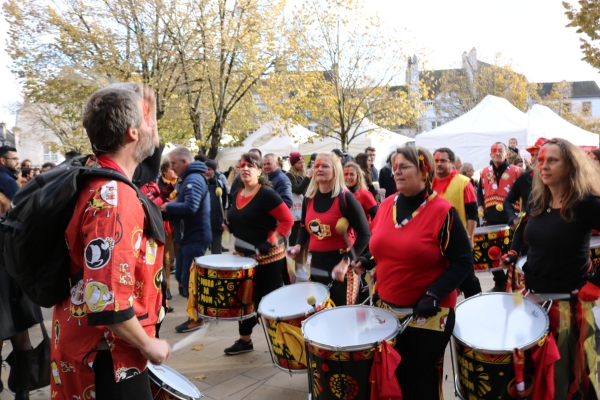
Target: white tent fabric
[
  {"x": 472, "y": 134},
  {"x": 383, "y": 140},
  {"x": 545, "y": 122},
  {"x": 271, "y": 137}
]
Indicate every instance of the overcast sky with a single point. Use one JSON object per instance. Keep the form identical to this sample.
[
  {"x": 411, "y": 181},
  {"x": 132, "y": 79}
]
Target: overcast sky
[{"x": 530, "y": 32}]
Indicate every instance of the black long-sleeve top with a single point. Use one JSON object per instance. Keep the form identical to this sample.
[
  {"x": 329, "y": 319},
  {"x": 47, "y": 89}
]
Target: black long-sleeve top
[
  {"x": 520, "y": 190},
  {"x": 354, "y": 213},
  {"x": 148, "y": 169},
  {"x": 299, "y": 183},
  {"x": 558, "y": 257}
]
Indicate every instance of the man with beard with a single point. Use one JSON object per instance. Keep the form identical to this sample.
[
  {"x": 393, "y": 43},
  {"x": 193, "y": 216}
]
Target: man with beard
[
  {"x": 458, "y": 190},
  {"x": 104, "y": 334},
  {"x": 495, "y": 182}
]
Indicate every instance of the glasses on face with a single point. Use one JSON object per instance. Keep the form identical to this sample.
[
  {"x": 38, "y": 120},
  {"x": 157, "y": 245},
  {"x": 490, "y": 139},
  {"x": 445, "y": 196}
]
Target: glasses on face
[{"x": 403, "y": 167}]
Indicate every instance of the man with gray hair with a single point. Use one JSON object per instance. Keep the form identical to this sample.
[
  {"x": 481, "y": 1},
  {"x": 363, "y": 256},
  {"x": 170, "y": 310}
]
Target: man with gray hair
[
  {"x": 190, "y": 213},
  {"x": 109, "y": 321},
  {"x": 280, "y": 182}
]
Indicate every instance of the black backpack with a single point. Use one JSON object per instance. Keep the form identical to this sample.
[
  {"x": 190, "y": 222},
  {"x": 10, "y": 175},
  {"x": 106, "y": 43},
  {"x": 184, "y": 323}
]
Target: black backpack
[{"x": 35, "y": 250}]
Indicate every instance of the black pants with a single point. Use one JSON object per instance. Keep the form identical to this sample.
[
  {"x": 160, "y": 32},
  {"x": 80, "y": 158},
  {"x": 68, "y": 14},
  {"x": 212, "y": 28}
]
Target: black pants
[
  {"x": 137, "y": 387},
  {"x": 422, "y": 351},
  {"x": 267, "y": 278},
  {"x": 216, "y": 247},
  {"x": 494, "y": 217}
]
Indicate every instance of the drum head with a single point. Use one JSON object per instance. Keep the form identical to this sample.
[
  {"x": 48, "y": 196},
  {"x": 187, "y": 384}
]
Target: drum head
[
  {"x": 520, "y": 263},
  {"x": 225, "y": 262},
  {"x": 482, "y": 230},
  {"x": 350, "y": 328},
  {"x": 595, "y": 242},
  {"x": 290, "y": 301},
  {"x": 173, "y": 382},
  {"x": 492, "y": 323}
]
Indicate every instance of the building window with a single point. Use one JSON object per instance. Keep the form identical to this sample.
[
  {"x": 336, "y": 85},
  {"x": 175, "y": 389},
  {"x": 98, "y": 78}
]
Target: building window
[
  {"x": 49, "y": 155},
  {"x": 586, "y": 108}
]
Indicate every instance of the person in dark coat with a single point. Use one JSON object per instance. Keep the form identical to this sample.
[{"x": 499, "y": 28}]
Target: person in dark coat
[
  {"x": 218, "y": 203},
  {"x": 17, "y": 312},
  {"x": 190, "y": 214},
  {"x": 280, "y": 183}
]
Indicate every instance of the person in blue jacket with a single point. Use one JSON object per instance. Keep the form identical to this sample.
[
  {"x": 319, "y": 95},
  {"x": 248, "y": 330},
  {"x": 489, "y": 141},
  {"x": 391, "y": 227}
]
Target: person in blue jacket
[
  {"x": 279, "y": 181},
  {"x": 190, "y": 213}
]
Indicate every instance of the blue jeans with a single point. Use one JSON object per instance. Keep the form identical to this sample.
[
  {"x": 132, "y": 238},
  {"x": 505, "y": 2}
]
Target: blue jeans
[{"x": 185, "y": 255}]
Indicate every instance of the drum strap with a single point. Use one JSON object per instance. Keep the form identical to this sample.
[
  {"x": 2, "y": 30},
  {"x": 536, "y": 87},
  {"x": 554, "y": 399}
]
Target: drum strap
[{"x": 276, "y": 254}]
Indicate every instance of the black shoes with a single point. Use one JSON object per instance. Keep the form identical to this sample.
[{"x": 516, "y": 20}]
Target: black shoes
[
  {"x": 498, "y": 289},
  {"x": 240, "y": 346}
]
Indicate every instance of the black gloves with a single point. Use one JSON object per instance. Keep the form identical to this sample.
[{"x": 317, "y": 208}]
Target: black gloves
[
  {"x": 264, "y": 247},
  {"x": 427, "y": 306},
  {"x": 510, "y": 258},
  {"x": 367, "y": 263}
]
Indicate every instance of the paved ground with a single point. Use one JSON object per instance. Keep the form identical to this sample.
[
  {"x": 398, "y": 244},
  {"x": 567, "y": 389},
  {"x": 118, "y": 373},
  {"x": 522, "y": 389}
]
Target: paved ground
[{"x": 246, "y": 376}]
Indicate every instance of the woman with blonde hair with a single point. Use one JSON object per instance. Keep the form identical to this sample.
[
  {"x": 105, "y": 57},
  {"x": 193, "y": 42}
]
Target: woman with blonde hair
[
  {"x": 355, "y": 182},
  {"x": 563, "y": 210},
  {"x": 327, "y": 202}
]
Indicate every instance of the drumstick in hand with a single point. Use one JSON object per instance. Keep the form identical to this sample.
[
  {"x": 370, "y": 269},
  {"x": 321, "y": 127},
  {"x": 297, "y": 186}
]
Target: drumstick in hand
[{"x": 342, "y": 229}]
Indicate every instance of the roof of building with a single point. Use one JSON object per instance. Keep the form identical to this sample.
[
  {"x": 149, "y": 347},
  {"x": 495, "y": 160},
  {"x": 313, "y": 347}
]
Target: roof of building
[{"x": 579, "y": 89}]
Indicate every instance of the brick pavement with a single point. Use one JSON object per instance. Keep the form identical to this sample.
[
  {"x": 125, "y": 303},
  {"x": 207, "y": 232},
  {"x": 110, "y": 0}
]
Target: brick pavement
[{"x": 246, "y": 376}]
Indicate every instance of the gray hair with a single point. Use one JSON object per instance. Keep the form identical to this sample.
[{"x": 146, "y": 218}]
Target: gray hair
[
  {"x": 466, "y": 167},
  {"x": 109, "y": 112},
  {"x": 183, "y": 153}
]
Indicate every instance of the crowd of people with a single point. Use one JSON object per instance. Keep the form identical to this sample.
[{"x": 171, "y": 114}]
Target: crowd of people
[{"x": 337, "y": 216}]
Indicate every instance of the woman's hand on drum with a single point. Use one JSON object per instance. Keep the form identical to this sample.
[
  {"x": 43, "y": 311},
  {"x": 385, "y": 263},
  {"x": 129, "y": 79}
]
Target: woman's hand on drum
[
  {"x": 509, "y": 259},
  {"x": 294, "y": 250},
  {"x": 340, "y": 270},
  {"x": 157, "y": 351}
]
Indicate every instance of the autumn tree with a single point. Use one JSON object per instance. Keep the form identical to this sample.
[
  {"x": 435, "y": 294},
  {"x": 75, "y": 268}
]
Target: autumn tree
[
  {"x": 461, "y": 89},
  {"x": 342, "y": 67},
  {"x": 586, "y": 18}
]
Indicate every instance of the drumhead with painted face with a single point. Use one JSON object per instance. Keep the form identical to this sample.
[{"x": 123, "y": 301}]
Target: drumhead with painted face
[
  {"x": 173, "y": 382},
  {"x": 350, "y": 328},
  {"x": 291, "y": 301},
  {"x": 494, "y": 324}
]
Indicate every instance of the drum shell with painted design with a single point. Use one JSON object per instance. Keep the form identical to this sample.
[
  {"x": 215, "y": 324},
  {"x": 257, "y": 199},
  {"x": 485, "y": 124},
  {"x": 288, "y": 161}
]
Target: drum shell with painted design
[
  {"x": 341, "y": 344},
  {"x": 595, "y": 252},
  {"x": 225, "y": 286},
  {"x": 488, "y": 327},
  {"x": 490, "y": 242},
  {"x": 288, "y": 305}
]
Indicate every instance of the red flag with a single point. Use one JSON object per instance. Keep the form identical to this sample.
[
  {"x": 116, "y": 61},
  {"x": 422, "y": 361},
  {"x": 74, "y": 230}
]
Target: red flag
[
  {"x": 384, "y": 384},
  {"x": 544, "y": 357}
]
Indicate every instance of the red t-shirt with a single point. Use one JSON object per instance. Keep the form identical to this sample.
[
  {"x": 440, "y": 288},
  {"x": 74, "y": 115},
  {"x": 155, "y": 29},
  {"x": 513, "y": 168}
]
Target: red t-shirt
[
  {"x": 366, "y": 200},
  {"x": 321, "y": 228},
  {"x": 409, "y": 259}
]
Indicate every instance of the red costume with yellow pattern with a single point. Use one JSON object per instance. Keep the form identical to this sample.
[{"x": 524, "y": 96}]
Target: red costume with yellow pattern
[
  {"x": 122, "y": 273},
  {"x": 494, "y": 192}
]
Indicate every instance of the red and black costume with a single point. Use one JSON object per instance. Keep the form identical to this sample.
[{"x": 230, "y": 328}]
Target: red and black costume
[
  {"x": 255, "y": 219},
  {"x": 319, "y": 218},
  {"x": 421, "y": 249},
  {"x": 109, "y": 241}
]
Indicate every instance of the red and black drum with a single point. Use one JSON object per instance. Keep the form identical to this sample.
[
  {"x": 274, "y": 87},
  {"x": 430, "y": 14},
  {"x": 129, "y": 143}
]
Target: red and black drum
[
  {"x": 595, "y": 252},
  {"x": 488, "y": 328},
  {"x": 225, "y": 286},
  {"x": 490, "y": 242},
  {"x": 341, "y": 344},
  {"x": 282, "y": 312}
]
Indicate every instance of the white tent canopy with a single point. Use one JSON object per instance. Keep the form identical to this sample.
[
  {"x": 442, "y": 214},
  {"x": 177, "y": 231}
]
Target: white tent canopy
[
  {"x": 472, "y": 134},
  {"x": 545, "y": 122},
  {"x": 272, "y": 137},
  {"x": 383, "y": 140}
]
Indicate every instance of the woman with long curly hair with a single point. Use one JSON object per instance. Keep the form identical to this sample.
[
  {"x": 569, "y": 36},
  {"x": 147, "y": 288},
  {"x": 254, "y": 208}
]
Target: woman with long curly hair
[{"x": 563, "y": 210}]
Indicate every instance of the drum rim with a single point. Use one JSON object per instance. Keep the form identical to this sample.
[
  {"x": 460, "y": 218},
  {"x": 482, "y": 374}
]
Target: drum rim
[
  {"x": 250, "y": 263},
  {"x": 596, "y": 245},
  {"x": 357, "y": 347},
  {"x": 168, "y": 388},
  {"x": 527, "y": 346},
  {"x": 285, "y": 317},
  {"x": 503, "y": 227}
]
